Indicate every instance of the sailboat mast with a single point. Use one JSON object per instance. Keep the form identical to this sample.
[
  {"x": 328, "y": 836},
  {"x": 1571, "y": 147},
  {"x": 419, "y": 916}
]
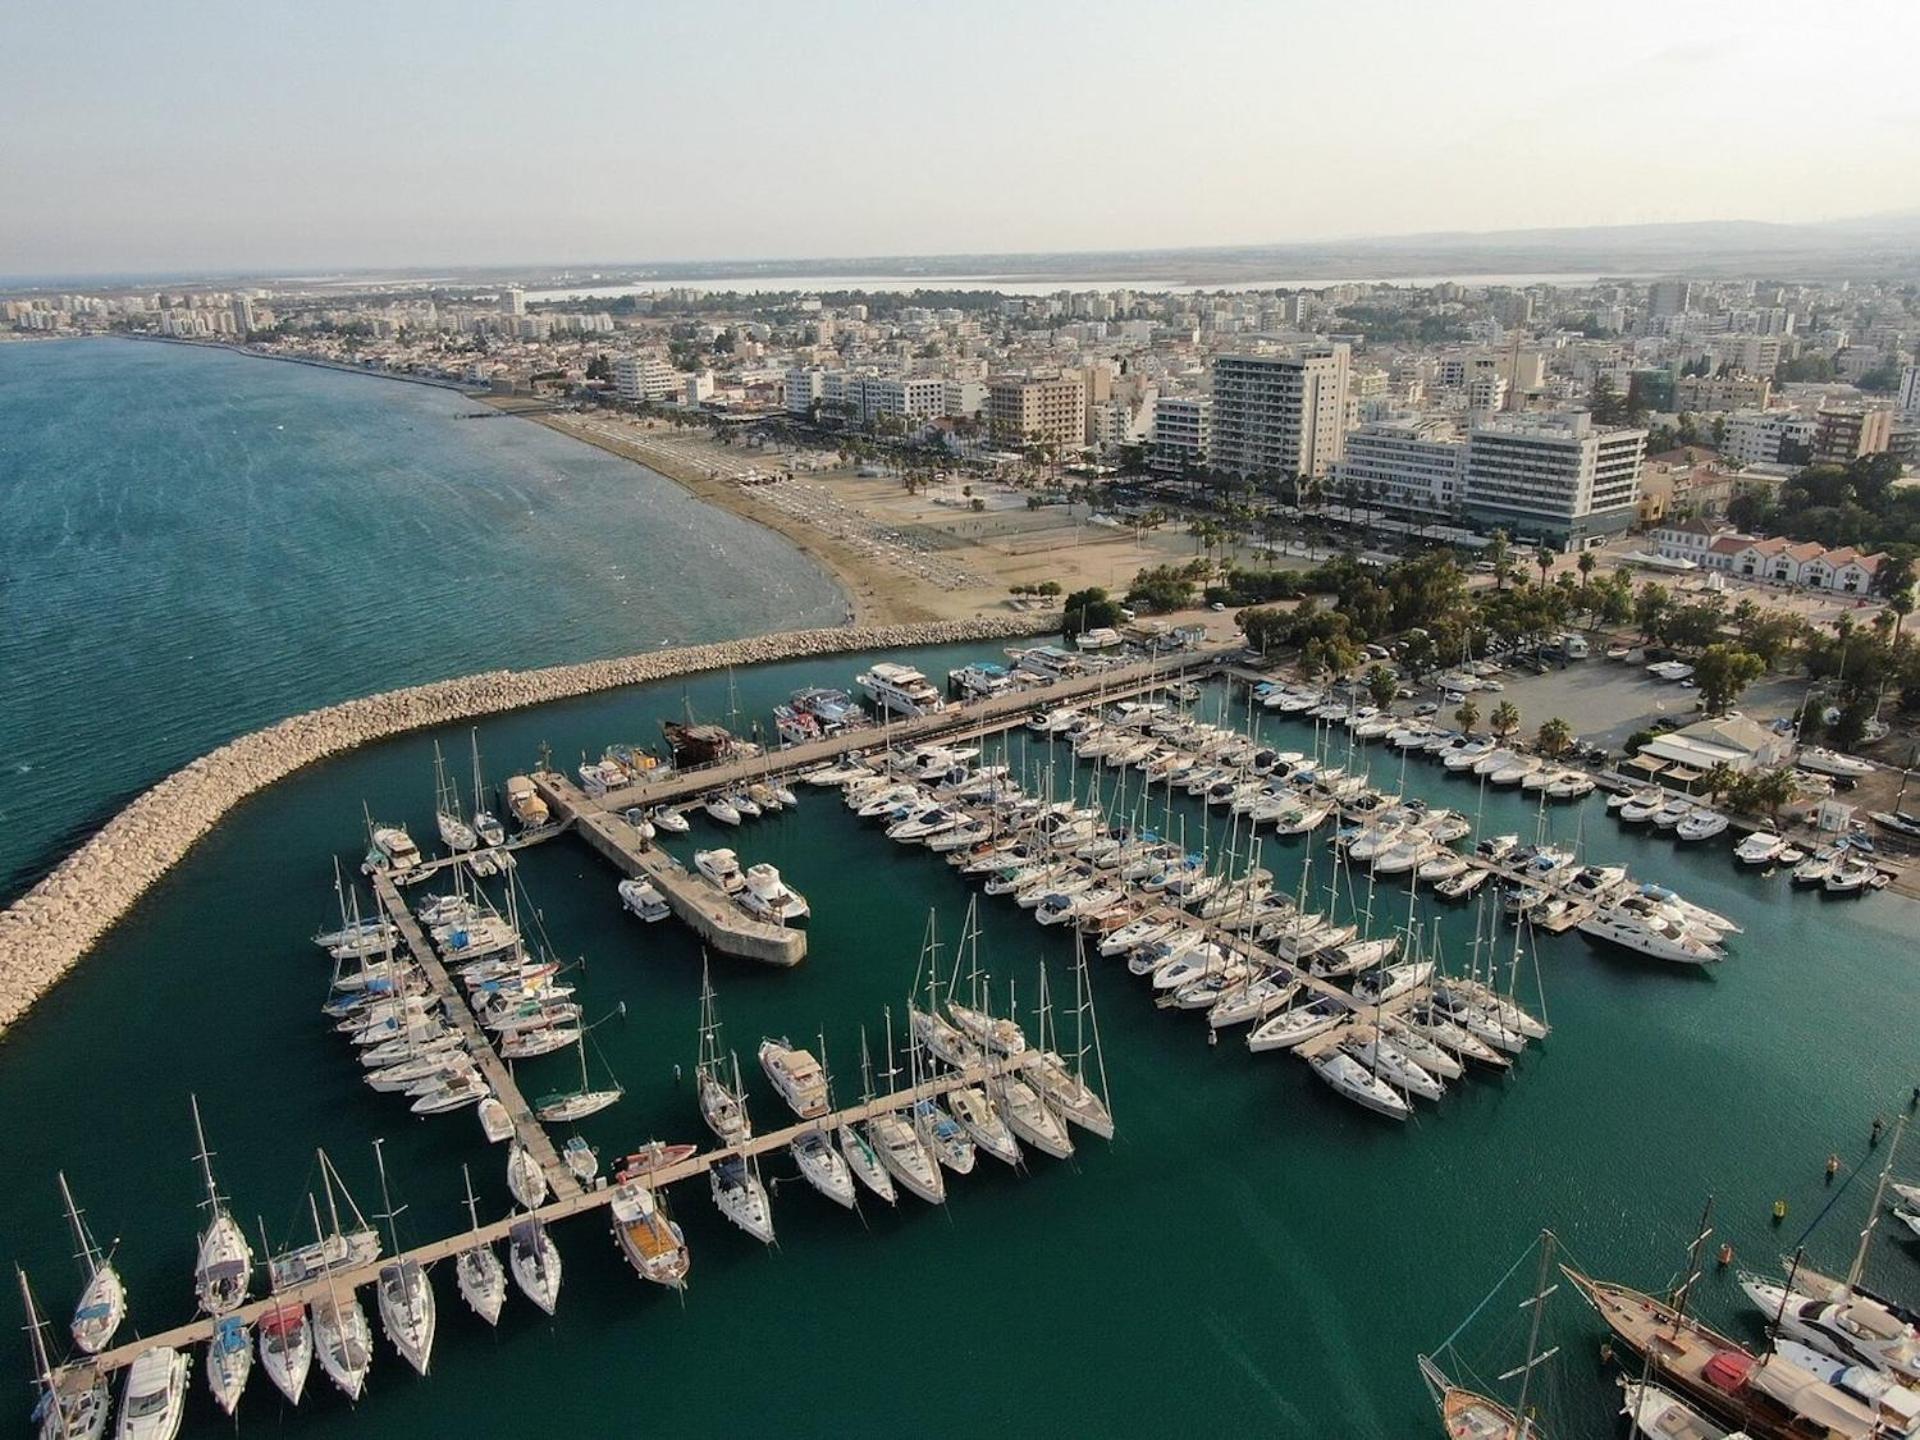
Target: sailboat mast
[
  {"x": 205, "y": 1159},
  {"x": 1859, "y": 1265},
  {"x": 326, "y": 1179},
  {"x": 386, "y": 1200},
  {"x": 83, "y": 1243},
  {"x": 1539, "y": 1304}
]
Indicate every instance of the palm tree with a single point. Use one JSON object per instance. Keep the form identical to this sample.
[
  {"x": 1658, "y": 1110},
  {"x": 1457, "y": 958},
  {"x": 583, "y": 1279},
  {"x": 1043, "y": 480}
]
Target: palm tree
[
  {"x": 1505, "y": 719},
  {"x": 1718, "y": 780},
  {"x": 1900, "y": 603},
  {"x": 1467, "y": 716},
  {"x": 1498, "y": 556},
  {"x": 1543, "y": 557},
  {"x": 1555, "y": 738},
  {"x": 1585, "y": 565}
]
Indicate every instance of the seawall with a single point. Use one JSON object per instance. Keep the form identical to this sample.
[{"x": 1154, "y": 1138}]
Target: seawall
[{"x": 47, "y": 931}]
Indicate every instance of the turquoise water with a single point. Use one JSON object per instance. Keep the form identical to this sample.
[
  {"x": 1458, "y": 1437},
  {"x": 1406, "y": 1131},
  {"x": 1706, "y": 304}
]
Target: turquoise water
[
  {"x": 194, "y": 543},
  {"x": 1250, "y": 1251}
]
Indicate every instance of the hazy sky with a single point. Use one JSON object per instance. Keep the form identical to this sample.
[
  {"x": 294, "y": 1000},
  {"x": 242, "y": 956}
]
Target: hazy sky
[{"x": 203, "y": 135}]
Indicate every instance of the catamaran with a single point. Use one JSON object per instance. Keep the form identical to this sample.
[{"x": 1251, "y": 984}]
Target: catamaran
[
  {"x": 477, "y": 1271},
  {"x": 103, "y": 1298},
  {"x": 225, "y": 1260}
]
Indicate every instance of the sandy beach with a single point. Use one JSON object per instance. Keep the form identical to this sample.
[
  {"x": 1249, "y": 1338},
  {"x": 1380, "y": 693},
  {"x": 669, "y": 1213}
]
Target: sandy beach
[{"x": 900, "y": 557}]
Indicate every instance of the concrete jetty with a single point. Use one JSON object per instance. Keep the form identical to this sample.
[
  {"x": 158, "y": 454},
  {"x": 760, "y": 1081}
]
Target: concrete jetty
[{"x": 44, "y": 933}]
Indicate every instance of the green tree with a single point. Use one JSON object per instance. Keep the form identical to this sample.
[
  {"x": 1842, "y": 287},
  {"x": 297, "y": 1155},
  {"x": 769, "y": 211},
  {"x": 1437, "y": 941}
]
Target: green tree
[
  {"x": 1467, "y": 716},
  {"x": 1381, "y": 686},
  {"x": 1499, "y": 555},
  {"x": 1089, "y": 609},
  {"x": 1505, "y": 719},
  {"x": 1650, "y": 608},
  {"x": 1718, "y": 780},
  {"x": 1555, "y": 738},
  {"x": 1722, "y": 672},
  {"x": 1543, "y": 557}
]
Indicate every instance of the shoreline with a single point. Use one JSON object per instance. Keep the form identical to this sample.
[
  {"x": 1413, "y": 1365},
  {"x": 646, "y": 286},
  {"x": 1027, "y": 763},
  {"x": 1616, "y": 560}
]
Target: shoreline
[{"x": 46, "y": 932}]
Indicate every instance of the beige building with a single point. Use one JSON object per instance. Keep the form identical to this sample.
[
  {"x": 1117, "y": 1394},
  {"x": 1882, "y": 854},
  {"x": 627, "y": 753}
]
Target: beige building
[
  {"x": 1722, "y": 392},
  {"x": 1038, "y": 410},
  {"x": 1280, "y": 415},
  {"x": 1846, "y": 432}
]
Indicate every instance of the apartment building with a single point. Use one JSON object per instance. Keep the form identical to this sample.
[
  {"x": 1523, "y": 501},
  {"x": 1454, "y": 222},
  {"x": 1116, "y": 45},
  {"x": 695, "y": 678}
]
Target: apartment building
[
  {"x": 1280, "y": 415},
  {"x": 1182, "y": 433},
  {"x": 1766, "y": 437},
  {"x": 644, "y": 377},
  {"x": 1558, "y": 478},
  {"x": 1722, "y": 392},
  {"x": 1410, "y": 465},
  {"x": 1038, "y": 410},
  {"x": 1843, "y": 433}
]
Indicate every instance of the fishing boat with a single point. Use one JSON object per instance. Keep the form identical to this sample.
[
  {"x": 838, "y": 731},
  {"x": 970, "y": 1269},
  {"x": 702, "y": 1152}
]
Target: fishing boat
[
  {"x": 343, "y": 1341},
  {"x": 535, "y": 1262},
  {"x": 741, "y": 1197},
  {"x": 648, "y": 1236},
  {"x": 103, "y": 1295},
  {"x": 477, "y": 1272},
  {"x": 723, "y": 1107},
  {"x": 73, "y": 1403},
  {"x": 155, "y": 1402},
  {"x": 229, "y": 1361},
  {"x": 652, "y": 1156},
  {"x": 642, "y": 899},
  {"x": 286, "y": 1348},
  {"x": 225, "y": 1261}
]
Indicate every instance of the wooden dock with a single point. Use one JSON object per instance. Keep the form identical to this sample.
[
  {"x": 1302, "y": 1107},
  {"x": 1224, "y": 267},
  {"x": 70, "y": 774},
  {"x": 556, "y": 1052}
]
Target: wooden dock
[
  {"x": 460, "y": 1015},
  {"x": 565, "y": 1206}
]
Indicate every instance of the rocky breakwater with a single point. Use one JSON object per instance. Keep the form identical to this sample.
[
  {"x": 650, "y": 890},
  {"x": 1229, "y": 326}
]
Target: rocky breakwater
[{"x": 45, "y": 932}]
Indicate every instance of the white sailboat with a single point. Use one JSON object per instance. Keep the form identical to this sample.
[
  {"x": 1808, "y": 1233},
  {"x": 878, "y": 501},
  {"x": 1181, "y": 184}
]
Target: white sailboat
[
  {"x": 343, "y": 1340},
  {"x": 486, "y": 825},
  {"x": 286, "y": 1348},
  {"x": 404, "y": 1296},
  {"x": 103, "y": 1298},
  {"x": 648, "y": 1236},
  {"x": 74, "y": 1403},
  {"x": 824, "y": 1168},
  {"x": 1062, "y": 1084},
  {"x": 525, "y": 1179},
  {"x": 229, "y": 1361},
  {"x": 568, "y": 1105},
  {"x": 900, "y": 1146},
  {"x": 535, "y": 1262},
  {"x": 724, "y": 1108},
  {"x": 225, "y": 1260},
  {"x": 477, "y": 1271},
  {"x": 862, "y": 1158},
  {"x": 741, "y": 1197},
  {"x": 455, "y": 832}
]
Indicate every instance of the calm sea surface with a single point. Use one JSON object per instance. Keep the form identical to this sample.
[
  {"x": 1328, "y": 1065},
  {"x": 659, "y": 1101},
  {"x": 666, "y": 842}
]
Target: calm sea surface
[
  {"x": 1250, "y": 1253},
  {"x": 194, "y": 543}
]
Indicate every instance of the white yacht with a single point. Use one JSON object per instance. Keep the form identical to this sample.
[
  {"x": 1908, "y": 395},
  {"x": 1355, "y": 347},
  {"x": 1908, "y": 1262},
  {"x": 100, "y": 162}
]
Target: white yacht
[
  {"x": 343, "y": 1341},
  {"x": 1302, "y": 1022},
  {"x": 229, "y": 1361},
  {"x": 1701, "y": 824},
  {"x": 225, "y": 1263},
  {"x": 823, "y": 1167},
  {"x": 535, "y": 1262},
  {"x": 718, "y": 807},
  {"x": 906, "y": 1156},
  {"x": 1831, "y": 762},
  {"x": 405, "y": 1300},
  {"x": 525, "y": 1179},
  {"x": 1388, "y": 1060},
  {"x": 103, "y": 1300},
  {"x": 1857, "y": 1330},
  {"x": 768, "y": 897},
  {"x": 1348, "y": 1077},
  {"x": 1762, "y": 847},
  {"x": 900, "y": 689},
  {"x": 286, "y": 1348},
  {"x": 984, "y": 1124},
  {"x": 155, "y": 1402},
  {"x": 741, "y": 1197},
  {"x": 1031, "y": 1118},
  {"x": 722, "y": 868},
  {"x": 797, "y": 1076},
  {"x": 642, "y": 899},
  {"x": 478, "y": 1273},
  {"x": 865, "y": 1163},
  {"x": 1382, "y": 984}
]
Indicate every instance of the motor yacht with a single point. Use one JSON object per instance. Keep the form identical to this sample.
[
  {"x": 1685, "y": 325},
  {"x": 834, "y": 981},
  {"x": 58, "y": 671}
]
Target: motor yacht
[
  {"x": 155, "y": 1402},
  {"x": 1762, "y": 847},
  {"x": 642, "y": 899},
  {"x": 1700, "y": 824},
  {"x": 722, "y": 869},
  {"x": 796, "y": 1075}
]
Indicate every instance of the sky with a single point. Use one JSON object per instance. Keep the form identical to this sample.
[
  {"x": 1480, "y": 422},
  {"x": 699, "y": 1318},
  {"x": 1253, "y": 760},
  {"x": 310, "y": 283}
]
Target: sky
[{"x": 269, "y": 135}]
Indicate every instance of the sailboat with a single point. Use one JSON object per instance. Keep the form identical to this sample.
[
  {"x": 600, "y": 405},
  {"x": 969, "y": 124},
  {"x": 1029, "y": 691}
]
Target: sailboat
[
  {"x": 648, "y": 1236},
  {"x": 74, "y": 1403},
  {"x": 477, "y": 1271},
  {"x": 724, "y": 1109},
  {"x": 486, "y": 825},
  {"x": 1065, "y": 1086},
  {"x": 900, "y": 1145},
  {"x": 225, "y": 1260},
  {"x": 103, "y": 1299},
  {"x": 331, "y": 1250},
  {"x": 455, "y": 832},
  {"x": 229, "y": 1361},
  {"x": 862, "y": 1158},
  {"x": 741, "y": 1197},
  {"x": 402, "y": 1291},
  {"x": 824, "y": 1168},
  {"x": 1027, "y": 1112},
  {"x": 943, "y": 1039},
  {"x": 286, "y": 1348},
  {"x": 1467, "y": 1414},
  {"x": 535, "y": 1262},
  {"x": 565, "y": 1105},
  {"x": 525, "y": 1179},
  {"x": 342, "y": 1338}
]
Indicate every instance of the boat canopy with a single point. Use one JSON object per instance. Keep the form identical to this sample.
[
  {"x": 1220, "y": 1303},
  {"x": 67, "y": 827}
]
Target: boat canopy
[{"x": 1728, "y": 1370}]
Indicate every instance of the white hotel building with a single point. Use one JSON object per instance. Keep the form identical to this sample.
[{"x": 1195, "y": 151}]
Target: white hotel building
[{"x": 1409, "y": 465}]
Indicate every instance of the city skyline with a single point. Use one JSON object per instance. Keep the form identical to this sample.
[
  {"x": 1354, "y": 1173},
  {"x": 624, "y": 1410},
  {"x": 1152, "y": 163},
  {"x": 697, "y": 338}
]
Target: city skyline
[{"x": 422, "y": 138}]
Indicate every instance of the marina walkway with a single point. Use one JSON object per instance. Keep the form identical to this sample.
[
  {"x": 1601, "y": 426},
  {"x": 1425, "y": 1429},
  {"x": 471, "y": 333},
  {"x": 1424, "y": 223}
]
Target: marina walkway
[
  {"x": 578, "y": 1201},
  {"x": 479, "y": 1044}
]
